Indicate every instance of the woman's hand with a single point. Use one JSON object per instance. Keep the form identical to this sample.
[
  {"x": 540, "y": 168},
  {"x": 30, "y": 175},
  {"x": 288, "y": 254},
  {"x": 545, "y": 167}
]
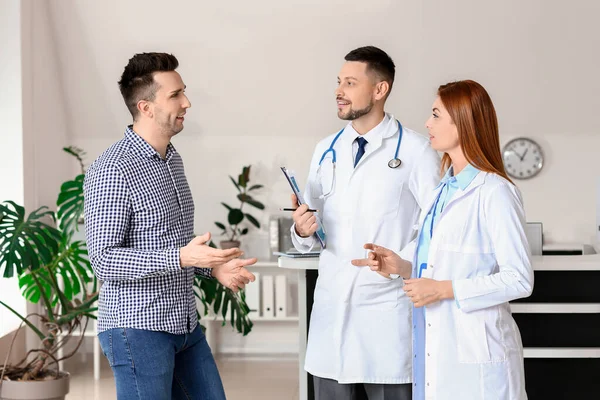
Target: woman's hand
[
  {"x": 424, "y": 291},
  {"x": 384, "y": 262}
]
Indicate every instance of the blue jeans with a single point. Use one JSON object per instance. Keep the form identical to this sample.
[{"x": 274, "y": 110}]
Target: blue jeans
[{"x": 150, "y": 365}]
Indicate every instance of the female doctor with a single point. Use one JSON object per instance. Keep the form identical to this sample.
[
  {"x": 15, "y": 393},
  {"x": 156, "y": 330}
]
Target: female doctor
[{"x": 471, "y": 259}]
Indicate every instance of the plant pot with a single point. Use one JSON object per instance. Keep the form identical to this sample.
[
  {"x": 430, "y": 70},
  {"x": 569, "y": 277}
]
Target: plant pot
[
  {"x": 55, "y": 389},
  {"x": 229, "y": 244}
]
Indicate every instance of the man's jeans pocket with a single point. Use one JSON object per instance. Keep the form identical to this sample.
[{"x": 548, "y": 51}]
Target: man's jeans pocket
[
  {"x": 115, "y": 347},
  {"x": 105, "y": 339}
]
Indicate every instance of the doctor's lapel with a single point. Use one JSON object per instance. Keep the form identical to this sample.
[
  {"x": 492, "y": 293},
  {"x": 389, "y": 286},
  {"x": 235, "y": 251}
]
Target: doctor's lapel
[
  {"x": 344, "y": 158},
  {"x": 376, "y": 141},
  {"x": 429, "y": 205},
  {"x": 477, "y": 181}
]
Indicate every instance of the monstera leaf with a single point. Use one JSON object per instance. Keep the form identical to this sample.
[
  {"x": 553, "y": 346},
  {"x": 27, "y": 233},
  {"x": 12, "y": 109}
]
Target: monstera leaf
[
  {"x": 72, "y": 265},
  {"x": 70, "y": 205},
  {"x": 26, "y": 244}
]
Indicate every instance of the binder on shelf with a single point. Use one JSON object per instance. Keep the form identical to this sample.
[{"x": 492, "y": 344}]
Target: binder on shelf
[
  {"x": 252, "y": 292},
  {"x": 268, "y": 300},
  {"x": 281, "y": 296},
  {"x": 273, "y": 237}
]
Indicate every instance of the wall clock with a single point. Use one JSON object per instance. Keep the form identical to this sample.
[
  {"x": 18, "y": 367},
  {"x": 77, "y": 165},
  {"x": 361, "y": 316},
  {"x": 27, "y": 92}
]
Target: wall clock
[{"x": 523, "y": 158}]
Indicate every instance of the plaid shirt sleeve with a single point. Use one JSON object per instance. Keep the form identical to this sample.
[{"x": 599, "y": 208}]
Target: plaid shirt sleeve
[
  {"x": 204, "y": 272},
  {"x": 107, "y": 213}
]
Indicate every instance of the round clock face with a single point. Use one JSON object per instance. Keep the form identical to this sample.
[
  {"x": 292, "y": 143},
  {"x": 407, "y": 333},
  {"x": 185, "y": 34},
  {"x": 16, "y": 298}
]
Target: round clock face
[{"x": 523, "y": 158}]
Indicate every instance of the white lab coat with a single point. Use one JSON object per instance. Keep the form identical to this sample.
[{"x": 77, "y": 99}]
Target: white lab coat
[
  {"x": 360, "y": 328},
  {"x": 473, "y": 345}
]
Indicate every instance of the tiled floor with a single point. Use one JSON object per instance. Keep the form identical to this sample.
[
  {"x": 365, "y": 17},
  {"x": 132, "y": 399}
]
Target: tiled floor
[{"x": 243, "y": 380}]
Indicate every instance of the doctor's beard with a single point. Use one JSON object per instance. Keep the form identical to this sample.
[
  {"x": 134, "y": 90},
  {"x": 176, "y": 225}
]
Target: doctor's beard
[{"x": 355, "y": 114}]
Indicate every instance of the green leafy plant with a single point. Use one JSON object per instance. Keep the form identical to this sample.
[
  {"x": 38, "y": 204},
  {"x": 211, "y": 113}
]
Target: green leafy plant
[
  {"x": 220, "y": 299},
  {"x": 70, "y": 199},
  {"x": 54, "y": 271},
  {"x": 237, "y": 215}
]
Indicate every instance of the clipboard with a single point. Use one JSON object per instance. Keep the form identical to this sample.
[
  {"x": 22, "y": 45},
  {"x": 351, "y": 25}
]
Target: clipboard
[{"x": 320, "y": 233}]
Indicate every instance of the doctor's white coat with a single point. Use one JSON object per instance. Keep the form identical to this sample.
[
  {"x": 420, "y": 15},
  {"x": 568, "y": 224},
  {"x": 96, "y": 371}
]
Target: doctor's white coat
[
  {"x": 473, "y": 346},
  {"x": 360, "y": 327}
]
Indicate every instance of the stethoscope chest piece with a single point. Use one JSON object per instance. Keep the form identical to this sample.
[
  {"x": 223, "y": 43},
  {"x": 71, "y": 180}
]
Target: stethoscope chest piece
[{"x": 394, "y": 163}]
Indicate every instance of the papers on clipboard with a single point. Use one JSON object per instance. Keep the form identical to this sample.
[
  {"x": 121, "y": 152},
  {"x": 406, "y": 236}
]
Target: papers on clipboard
[
  {"x": 310, "y": 254},
  {"x": 291, "y": 178}
]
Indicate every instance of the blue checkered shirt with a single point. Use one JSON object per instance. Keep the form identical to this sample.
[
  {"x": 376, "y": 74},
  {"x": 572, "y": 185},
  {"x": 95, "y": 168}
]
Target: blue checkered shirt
[{"x": 139, "y": 212}]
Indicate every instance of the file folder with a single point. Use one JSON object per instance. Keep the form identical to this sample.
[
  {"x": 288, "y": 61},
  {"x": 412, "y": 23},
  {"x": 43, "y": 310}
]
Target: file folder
[
  {"x": 252, "y": 292},
  {"x": 280, "y": 296},
  {"x": 268, "y": 300}
]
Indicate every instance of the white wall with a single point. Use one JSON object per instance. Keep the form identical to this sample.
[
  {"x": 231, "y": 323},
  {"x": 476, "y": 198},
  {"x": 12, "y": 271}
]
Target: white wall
[
  {"x": 44, "y": 113},
  {"x": 32, "y": 134},
  {"x": 261, "y": 76},
  {"x": 11, "y": 140}
]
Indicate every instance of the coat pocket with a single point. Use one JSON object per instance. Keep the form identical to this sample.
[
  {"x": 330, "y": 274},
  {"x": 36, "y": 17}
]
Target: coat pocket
[
  {"x": 383, "y": 197},
  {"x": 471, "y": 338},
  {"x": 374, "y": 290}
]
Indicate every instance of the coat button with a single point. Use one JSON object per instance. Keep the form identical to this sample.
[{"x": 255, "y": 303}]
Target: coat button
[
  {"x": 427, "y": 383},
  {"x": 428, "y": 355},
  {"x": 429, "y": 325}
]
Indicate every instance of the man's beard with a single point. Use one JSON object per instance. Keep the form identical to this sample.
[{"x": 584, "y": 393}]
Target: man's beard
[
  {"x": 355, "y": 114},
  {"x": 167, "y": 127}
]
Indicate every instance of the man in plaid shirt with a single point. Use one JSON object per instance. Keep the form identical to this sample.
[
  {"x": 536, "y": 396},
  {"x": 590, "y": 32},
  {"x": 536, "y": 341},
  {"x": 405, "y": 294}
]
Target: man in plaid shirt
[{"x": 139, "y": 219}]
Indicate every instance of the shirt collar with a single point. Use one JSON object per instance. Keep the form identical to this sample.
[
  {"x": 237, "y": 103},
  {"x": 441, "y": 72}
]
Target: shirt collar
[
  {"x": 463, "y": 179},
  {"x": 374, "y": 135},
  {"x": 143, "y": 147}
]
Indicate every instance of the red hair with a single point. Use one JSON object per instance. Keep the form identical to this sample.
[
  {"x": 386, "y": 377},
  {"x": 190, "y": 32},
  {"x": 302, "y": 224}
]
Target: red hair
[{"x": 473, "y": 113}]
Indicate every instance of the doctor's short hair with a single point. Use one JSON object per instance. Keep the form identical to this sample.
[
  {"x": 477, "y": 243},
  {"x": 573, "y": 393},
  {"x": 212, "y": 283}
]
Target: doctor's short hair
[
  {"x": 137, "y": 82},
  {"x": 378, "y": 62}
]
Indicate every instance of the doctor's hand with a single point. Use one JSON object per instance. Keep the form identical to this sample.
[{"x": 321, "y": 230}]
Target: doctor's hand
[
  {"x": 305, "y": 221},
  {"x": 233, "y": 274},
  {"x": 198, "y": 254},
  {"x": 384, "y": 262},
  {"x": 425, "y": 291}
]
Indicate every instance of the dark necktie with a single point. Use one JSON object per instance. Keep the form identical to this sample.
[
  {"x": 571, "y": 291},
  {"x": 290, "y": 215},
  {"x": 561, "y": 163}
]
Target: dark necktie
[{"x": 362, "y": 142}]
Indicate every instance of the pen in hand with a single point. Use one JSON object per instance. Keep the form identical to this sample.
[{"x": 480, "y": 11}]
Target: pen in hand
[{"x": 294, "y": 209}]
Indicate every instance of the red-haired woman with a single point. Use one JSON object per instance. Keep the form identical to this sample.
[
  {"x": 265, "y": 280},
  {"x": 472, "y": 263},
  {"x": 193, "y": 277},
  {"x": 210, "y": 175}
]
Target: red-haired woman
[{"x": 471, "y": 259}]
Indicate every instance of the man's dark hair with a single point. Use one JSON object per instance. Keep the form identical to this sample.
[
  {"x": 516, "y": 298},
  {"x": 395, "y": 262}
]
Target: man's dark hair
[
  {"x": 137, "y": 82},
  {"x": 377, "y": 60}
]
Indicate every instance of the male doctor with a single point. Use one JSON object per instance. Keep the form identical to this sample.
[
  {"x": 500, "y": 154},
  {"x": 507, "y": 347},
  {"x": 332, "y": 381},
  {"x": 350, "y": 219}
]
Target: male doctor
[{"x": 369, "y": 182}]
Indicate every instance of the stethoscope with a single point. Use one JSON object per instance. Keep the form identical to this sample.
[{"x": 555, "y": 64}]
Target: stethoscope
[{"x": 393, "y": 163}]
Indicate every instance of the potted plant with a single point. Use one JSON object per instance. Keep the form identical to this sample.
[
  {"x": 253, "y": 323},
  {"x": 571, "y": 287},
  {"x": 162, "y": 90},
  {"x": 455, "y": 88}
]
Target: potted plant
[
  {"x": 54, "y": 272},
  {"x": 236, "y": 216},
  {"x": 211, "y": 294}
]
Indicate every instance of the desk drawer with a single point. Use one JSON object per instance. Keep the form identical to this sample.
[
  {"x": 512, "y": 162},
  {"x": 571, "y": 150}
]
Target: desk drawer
[
  {"x": 565, "y": 287},
  {"x": 559, "y": 330},
  {"x": 562, "y": 378}
]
